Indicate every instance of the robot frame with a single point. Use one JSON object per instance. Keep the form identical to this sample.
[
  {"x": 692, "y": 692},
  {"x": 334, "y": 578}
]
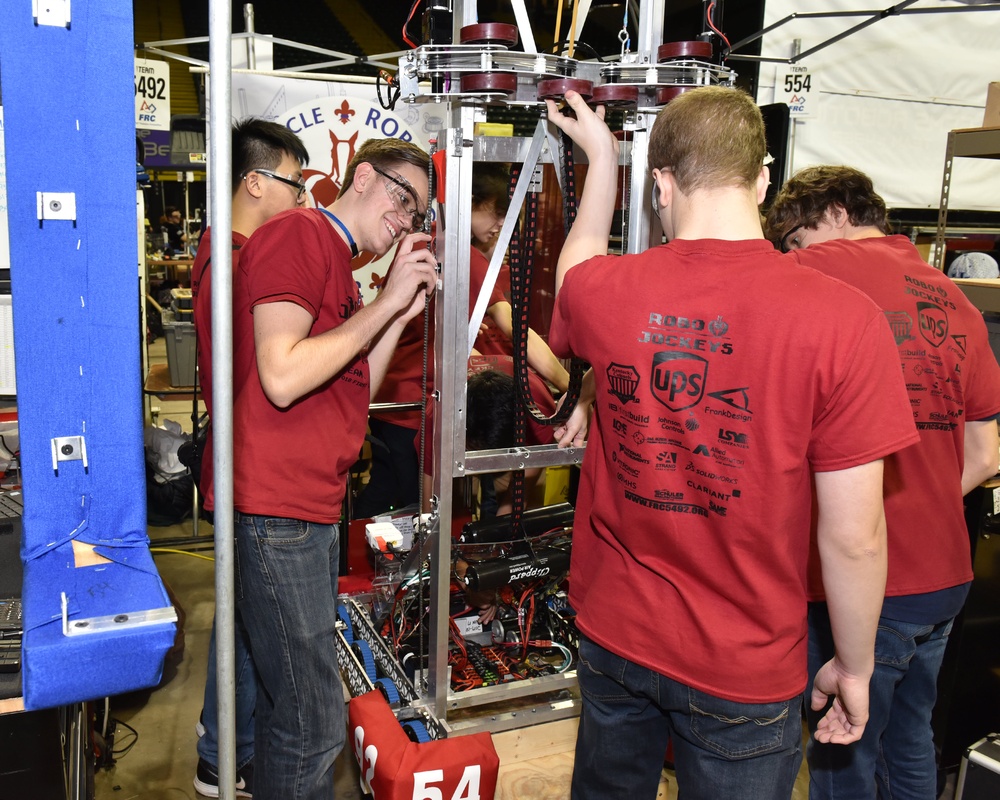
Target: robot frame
[{"x": 442, "y": 673}]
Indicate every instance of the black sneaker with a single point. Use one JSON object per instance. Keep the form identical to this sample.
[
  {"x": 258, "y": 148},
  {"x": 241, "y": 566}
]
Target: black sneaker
[{"x": 206, "y": 780}]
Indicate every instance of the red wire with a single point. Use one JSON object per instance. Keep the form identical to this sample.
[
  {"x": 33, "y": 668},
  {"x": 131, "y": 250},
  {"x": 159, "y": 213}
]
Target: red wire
[
  {"x": 406, "y": 24},
  {"x": 711, "y": 7}
]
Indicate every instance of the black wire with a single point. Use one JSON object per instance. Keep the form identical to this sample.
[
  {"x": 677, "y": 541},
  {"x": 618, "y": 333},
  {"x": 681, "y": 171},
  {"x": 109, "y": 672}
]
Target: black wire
[
  {"x": 581, "y": 45},
  {"x": 135, "y": 738},
  {"x": 521, "y": 267},
  {"x": 389, "y": 102}
]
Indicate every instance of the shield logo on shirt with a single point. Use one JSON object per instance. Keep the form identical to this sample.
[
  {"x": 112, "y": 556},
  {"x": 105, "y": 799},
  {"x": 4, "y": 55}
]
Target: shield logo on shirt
[
  {"x": 933, "y": 323},
  {"x": 678, "y": 379},
  {"x": 623, "y": 381}
]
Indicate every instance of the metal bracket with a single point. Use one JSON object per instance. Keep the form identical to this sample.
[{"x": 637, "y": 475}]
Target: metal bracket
[
  {"x": 69, "y": 448},
  {"x": 56, "y": 205},
  {"x": 458, "y": 141},
  {"x": 114, "y": 622},
  {"x": 51, "y": 12}
]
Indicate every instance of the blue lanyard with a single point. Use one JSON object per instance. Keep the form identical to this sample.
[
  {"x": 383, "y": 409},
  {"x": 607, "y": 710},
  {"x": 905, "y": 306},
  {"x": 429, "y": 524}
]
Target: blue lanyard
[{"x": 347, "y": 233}]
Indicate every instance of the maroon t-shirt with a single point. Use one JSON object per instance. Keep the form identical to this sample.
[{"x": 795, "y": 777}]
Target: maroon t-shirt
[
  {"x": 725, "y": 375},
  {"x": 293, "y": 462},
  {"x": 951, "y": 378},
  {"x": 404, "y": 376}
]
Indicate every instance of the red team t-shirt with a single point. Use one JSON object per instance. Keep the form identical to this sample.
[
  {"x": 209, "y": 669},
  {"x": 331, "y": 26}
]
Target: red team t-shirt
[
  {"x": 725, "y": 374},
  {"x": 951, "y": 377},
  {"x": 201, "y": 295},
  {"x": 293, "y": 462}
]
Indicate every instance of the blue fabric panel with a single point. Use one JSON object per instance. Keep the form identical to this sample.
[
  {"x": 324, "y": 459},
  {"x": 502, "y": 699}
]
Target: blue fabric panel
[
  {"x": 69, "y": 127},
  {"x": 58, "y": 669}
]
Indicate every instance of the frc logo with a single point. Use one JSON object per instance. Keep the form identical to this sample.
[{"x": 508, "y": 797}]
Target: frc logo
[
  {"x": 933, "y": 323},
  {"x": 678, "y": 379}
]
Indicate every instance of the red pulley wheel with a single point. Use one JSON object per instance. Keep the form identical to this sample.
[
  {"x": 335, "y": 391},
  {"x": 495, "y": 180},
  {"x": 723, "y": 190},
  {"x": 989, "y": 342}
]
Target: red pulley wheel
[
  {"x": 667, "y": 93},
  {"x": 615, "y": 95},
  {"x": 556, "y": 88},
  {"x": 489, "y": 33},
  {"x": 673, "y": 50},
  {"x": 489, "y": 83}
]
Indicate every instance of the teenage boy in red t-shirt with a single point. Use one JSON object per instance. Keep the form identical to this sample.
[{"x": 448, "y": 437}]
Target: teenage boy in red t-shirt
[
  {"x": 728, "y": 384},
  {"x": 835, "y": 222}
]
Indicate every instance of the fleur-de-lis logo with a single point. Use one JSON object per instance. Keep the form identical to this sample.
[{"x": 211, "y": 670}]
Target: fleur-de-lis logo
[{"x": 345, "y": 112}]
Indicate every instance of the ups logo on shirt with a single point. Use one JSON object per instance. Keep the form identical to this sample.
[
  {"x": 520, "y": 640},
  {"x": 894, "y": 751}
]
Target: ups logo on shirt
[
  {"x": 933, "y": 323},
  {"x": 678, "y": 379}
]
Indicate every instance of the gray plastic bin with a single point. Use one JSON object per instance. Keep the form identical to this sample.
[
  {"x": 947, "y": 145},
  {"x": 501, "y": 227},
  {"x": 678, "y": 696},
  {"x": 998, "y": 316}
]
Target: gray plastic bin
[{"x": 180, "y": 352}]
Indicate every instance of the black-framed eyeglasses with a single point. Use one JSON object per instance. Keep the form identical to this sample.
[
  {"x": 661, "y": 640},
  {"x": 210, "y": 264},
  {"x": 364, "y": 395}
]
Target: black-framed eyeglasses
[
  {"x": 783, "y": 244},
  {"x": 298, "y": 185},
  {"x": 404, "y": 200}
]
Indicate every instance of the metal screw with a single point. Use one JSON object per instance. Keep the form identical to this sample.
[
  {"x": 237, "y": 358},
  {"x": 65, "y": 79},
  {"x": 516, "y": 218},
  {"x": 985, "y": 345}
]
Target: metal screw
[
  {"x": 55, "y": 205},
  {"x": 67, "y": 449}
]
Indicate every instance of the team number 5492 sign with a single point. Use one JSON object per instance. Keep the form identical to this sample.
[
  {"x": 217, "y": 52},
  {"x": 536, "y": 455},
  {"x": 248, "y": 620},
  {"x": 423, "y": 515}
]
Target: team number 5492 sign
[
  {"x": 152, "y": 95},
  {"x": 795, "y": 86}
]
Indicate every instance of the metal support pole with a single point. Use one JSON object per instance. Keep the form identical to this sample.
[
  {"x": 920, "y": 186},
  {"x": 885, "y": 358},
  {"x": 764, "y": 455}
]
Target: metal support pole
[
  {"x": 940, "y": 249},
  {"x": 793, "y": 123},
  {"x": 248, "y": 27},
  {"x": 450, "y": 366},
  {"x": 220, "y": 156},
  {"x": 650, "y": 29},
  {"x": 639, "y": 213}
]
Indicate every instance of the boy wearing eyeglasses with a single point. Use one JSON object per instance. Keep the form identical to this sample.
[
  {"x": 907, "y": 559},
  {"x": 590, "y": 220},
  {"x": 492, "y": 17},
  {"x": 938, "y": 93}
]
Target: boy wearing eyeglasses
[
  {"x": 267, "y": 160},
  {"x": 832, "y": 220},
  {"x": 307, "y": 357}
]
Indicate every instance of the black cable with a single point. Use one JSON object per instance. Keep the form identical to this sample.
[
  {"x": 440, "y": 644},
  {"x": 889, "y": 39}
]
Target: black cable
[
  {"x": 580, "y": 45},
  {"x": 127, "y": 748},
  {"x": 393, "y": 90}
]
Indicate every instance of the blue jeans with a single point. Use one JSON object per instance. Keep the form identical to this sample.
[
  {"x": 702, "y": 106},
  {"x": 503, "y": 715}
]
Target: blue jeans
[
  {"x": 722, "y": 750},
  {"x": 246, "y": 698},
  {"x": 895, "y": 757},
  {"x": 286, "y": 584}
]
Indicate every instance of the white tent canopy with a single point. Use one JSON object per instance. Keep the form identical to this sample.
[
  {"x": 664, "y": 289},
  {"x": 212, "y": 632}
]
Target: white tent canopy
[{"x": 889, "y": 94}]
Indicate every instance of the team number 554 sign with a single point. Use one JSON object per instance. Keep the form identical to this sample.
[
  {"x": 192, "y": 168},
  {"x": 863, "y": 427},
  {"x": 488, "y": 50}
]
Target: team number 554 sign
[
  {"x": 795, "y": 86},
  {"x": 394, "y": 768}
]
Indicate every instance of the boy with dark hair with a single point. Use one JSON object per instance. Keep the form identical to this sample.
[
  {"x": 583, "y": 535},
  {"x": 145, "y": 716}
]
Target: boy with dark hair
[
  {"x": 835, "y": 222},
  {"x": 267, "y": 163}
]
